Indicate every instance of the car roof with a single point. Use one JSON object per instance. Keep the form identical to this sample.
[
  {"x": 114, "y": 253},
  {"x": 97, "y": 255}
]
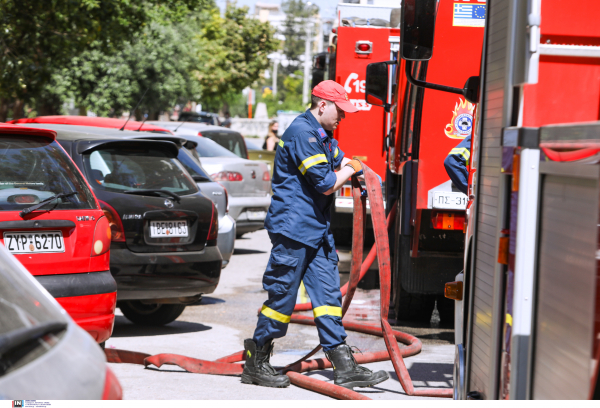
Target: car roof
[
  {"x": 71, "y": 130},
  {"x": 96, "y": 137},
  {"x": 7, "y": 129},
  {"x": 195, "y": 125},
  {"x": 93, "y": 121}
]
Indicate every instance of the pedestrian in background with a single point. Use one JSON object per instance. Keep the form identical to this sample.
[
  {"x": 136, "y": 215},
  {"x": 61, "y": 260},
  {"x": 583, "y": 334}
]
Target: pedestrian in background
[
  {"x": 272, "y": 139},
  {"x": 309, "y": 168}
]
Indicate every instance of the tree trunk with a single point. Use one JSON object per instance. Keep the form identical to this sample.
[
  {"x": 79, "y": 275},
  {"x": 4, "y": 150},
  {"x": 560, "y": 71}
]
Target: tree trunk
[
  {"x": 3, "y": 109},
  {"x": 18, "y": 109}
]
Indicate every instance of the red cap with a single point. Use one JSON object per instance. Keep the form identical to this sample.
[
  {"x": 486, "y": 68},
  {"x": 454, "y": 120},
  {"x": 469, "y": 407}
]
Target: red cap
[{"x": 334, "y": 92}]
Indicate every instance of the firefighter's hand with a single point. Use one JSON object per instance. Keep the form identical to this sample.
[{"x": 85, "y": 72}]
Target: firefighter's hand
[
  {"x": 355, "y": 164},
  {"x": 364, "y": 191}
]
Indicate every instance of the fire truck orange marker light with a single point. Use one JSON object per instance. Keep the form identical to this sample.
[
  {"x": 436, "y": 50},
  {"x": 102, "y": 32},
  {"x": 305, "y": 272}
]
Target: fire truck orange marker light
[
  {"x": 454, "y": 290},
  {"x": 503, "y": 250}
]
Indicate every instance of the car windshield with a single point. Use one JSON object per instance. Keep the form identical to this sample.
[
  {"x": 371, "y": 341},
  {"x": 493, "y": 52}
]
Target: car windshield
[
  {"x": 232, "y": 141},
  {"x": 208, "y": 148},
  {"x": 252, "y": 144},
  {"x": 127, "y": 169},
  {"x": 191, "y": 165},
  {"x": 33, "y": 169},
  {"x": 22, "y": 306}
]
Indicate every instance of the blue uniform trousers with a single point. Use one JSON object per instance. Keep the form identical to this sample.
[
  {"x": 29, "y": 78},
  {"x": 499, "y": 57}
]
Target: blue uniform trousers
[{"x": 289, "y": 264}]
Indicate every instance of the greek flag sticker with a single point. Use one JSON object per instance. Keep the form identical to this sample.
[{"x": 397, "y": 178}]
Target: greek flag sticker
[{"x": 469, "y": 15}]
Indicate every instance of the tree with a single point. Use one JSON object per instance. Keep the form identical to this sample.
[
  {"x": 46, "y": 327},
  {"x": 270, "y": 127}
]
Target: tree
[
  {"x": 41, "y": 36},
  {"x": 294, "y": 29},
  {"x": 160, "y": 63},
  {"x": 233, "y": 52}
]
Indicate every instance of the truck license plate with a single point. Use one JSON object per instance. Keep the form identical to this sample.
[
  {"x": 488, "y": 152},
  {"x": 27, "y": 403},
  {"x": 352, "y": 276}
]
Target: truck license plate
[
  {"x": 164, "y": 229},
  {"x": 34, "y": 242},
  {"x": 448, "y": 200}
]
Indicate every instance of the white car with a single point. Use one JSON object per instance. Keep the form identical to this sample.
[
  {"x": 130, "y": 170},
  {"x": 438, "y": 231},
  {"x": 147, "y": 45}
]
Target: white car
[{"x": 44, "y": 354}]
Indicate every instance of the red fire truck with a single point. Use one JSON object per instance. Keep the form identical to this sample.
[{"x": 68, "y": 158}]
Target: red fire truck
[
  {"x": 425, "y": 126},
  {"x": 528, "y": 315}
]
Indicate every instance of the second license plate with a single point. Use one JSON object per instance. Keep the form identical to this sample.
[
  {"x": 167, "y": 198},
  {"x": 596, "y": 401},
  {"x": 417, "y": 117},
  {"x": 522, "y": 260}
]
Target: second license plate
[
  {"x": 34, "y": 242},
  {"x": 165, "y": 229},
  {"x": 449, "y": 200}
]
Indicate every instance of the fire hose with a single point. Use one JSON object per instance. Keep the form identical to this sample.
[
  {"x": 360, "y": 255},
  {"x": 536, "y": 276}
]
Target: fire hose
[{"x": 233, "y": 364}]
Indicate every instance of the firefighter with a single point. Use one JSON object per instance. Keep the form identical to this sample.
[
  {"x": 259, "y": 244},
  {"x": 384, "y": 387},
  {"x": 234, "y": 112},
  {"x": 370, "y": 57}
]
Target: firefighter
[
  {"x": 309, "y": 168},
  {"x": 457, "y": 162}
]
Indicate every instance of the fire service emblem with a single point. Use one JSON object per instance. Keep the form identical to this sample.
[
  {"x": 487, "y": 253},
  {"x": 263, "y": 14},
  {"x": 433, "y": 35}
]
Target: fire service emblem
[{"x": 462, "y": 120}]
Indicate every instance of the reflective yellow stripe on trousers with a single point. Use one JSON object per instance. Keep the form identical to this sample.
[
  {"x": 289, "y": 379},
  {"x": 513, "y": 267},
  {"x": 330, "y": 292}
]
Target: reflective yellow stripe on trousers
[
  {"x": 327, "y": 310},
  {"x": 272, "y": 314}
]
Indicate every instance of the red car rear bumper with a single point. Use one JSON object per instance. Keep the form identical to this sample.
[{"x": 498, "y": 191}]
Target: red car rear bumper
[
  {"x": 94, "y": 313},
  {"x": 90, "y": 299}
]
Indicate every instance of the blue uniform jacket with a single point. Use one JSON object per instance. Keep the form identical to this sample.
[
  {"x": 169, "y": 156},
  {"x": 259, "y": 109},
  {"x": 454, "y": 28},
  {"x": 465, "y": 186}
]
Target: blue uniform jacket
[
  {"x": 456, "y": 164},
  {"x": 304, "y": 170}
]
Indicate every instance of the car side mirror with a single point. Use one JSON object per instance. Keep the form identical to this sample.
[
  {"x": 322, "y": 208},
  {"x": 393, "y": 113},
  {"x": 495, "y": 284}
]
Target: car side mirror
[
  {"x": 417, "y": 29},
  {"x": 376, "y": 84}
]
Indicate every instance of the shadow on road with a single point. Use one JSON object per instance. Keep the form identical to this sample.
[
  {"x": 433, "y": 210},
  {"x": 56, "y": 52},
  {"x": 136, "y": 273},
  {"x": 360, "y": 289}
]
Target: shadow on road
[
  {"x": 242, "y": 251},
  {"x": 434, "y": 375},
  {"x": 124, "y": 328}
]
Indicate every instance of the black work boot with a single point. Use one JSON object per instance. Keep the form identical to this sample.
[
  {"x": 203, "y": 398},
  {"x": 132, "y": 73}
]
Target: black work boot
[
  {"x": 346, "y": 371},
  {"x": 258, "y": 370}
]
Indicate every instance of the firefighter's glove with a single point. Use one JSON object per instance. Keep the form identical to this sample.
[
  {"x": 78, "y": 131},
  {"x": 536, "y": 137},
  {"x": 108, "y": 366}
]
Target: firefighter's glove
[{"x": 355, "y": 164}]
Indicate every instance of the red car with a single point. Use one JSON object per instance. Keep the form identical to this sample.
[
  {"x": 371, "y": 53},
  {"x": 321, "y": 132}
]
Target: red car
[
  {"x": 96, "y": 122},
  {"x": 51, "y": 221}
]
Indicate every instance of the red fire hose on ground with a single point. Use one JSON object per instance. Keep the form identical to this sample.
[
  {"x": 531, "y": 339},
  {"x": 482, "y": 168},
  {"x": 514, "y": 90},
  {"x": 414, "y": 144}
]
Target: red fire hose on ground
[{"x": 231, "y": 365}]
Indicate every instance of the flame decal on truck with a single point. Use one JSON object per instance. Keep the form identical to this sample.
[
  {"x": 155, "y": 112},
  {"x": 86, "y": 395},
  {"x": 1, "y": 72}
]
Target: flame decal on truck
[{"x": 462, "y": 120}]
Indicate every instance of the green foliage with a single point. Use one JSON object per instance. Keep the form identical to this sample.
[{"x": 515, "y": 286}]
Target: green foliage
[
  {"x": 40, "y": 36},
  {"x": 288, "y": 98},
  {"x": 160, "y": 60},
  {"x": 233, "y": 52},
  {"x": 204, "y": 58}
]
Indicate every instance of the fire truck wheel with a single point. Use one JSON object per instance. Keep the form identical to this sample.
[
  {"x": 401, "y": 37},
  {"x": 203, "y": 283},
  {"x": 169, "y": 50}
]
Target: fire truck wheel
[
  {"x": 414, "y": 307},
  {"x": 445, "y": 308},
  {"x": 150, "y": 314}
]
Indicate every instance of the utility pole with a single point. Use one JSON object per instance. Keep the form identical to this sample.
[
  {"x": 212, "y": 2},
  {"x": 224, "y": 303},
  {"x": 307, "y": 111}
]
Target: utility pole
[
  {"x": 307, "y": 63},
  {"x": 275, "y": 64}
]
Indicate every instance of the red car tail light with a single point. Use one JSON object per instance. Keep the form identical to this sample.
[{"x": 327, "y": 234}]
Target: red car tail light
[
  {"x": 116, "y": 226},
  {"x": 102, "y": 234},
  {"x": 227, "y": 176},
  {"x": 199, "y": 133},
  {"x": 112, "y": 388},
  {"x": 213, "y": 231},
  {"x": 266, "y": 176},
  {"x": 448, "y": 220}
]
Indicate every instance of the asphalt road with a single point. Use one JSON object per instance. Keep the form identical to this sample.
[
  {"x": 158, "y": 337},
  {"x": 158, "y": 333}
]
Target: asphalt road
[{"x": 218, "y": 326}]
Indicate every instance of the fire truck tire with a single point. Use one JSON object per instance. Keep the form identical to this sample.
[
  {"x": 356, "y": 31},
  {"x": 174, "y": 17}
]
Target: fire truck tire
[
  {"x": 150, "y": 314},
  {"x": 414, "y": 307}
]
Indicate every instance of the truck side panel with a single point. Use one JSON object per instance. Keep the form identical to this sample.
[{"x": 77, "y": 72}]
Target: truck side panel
[{"x": 482, "y": 359}]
